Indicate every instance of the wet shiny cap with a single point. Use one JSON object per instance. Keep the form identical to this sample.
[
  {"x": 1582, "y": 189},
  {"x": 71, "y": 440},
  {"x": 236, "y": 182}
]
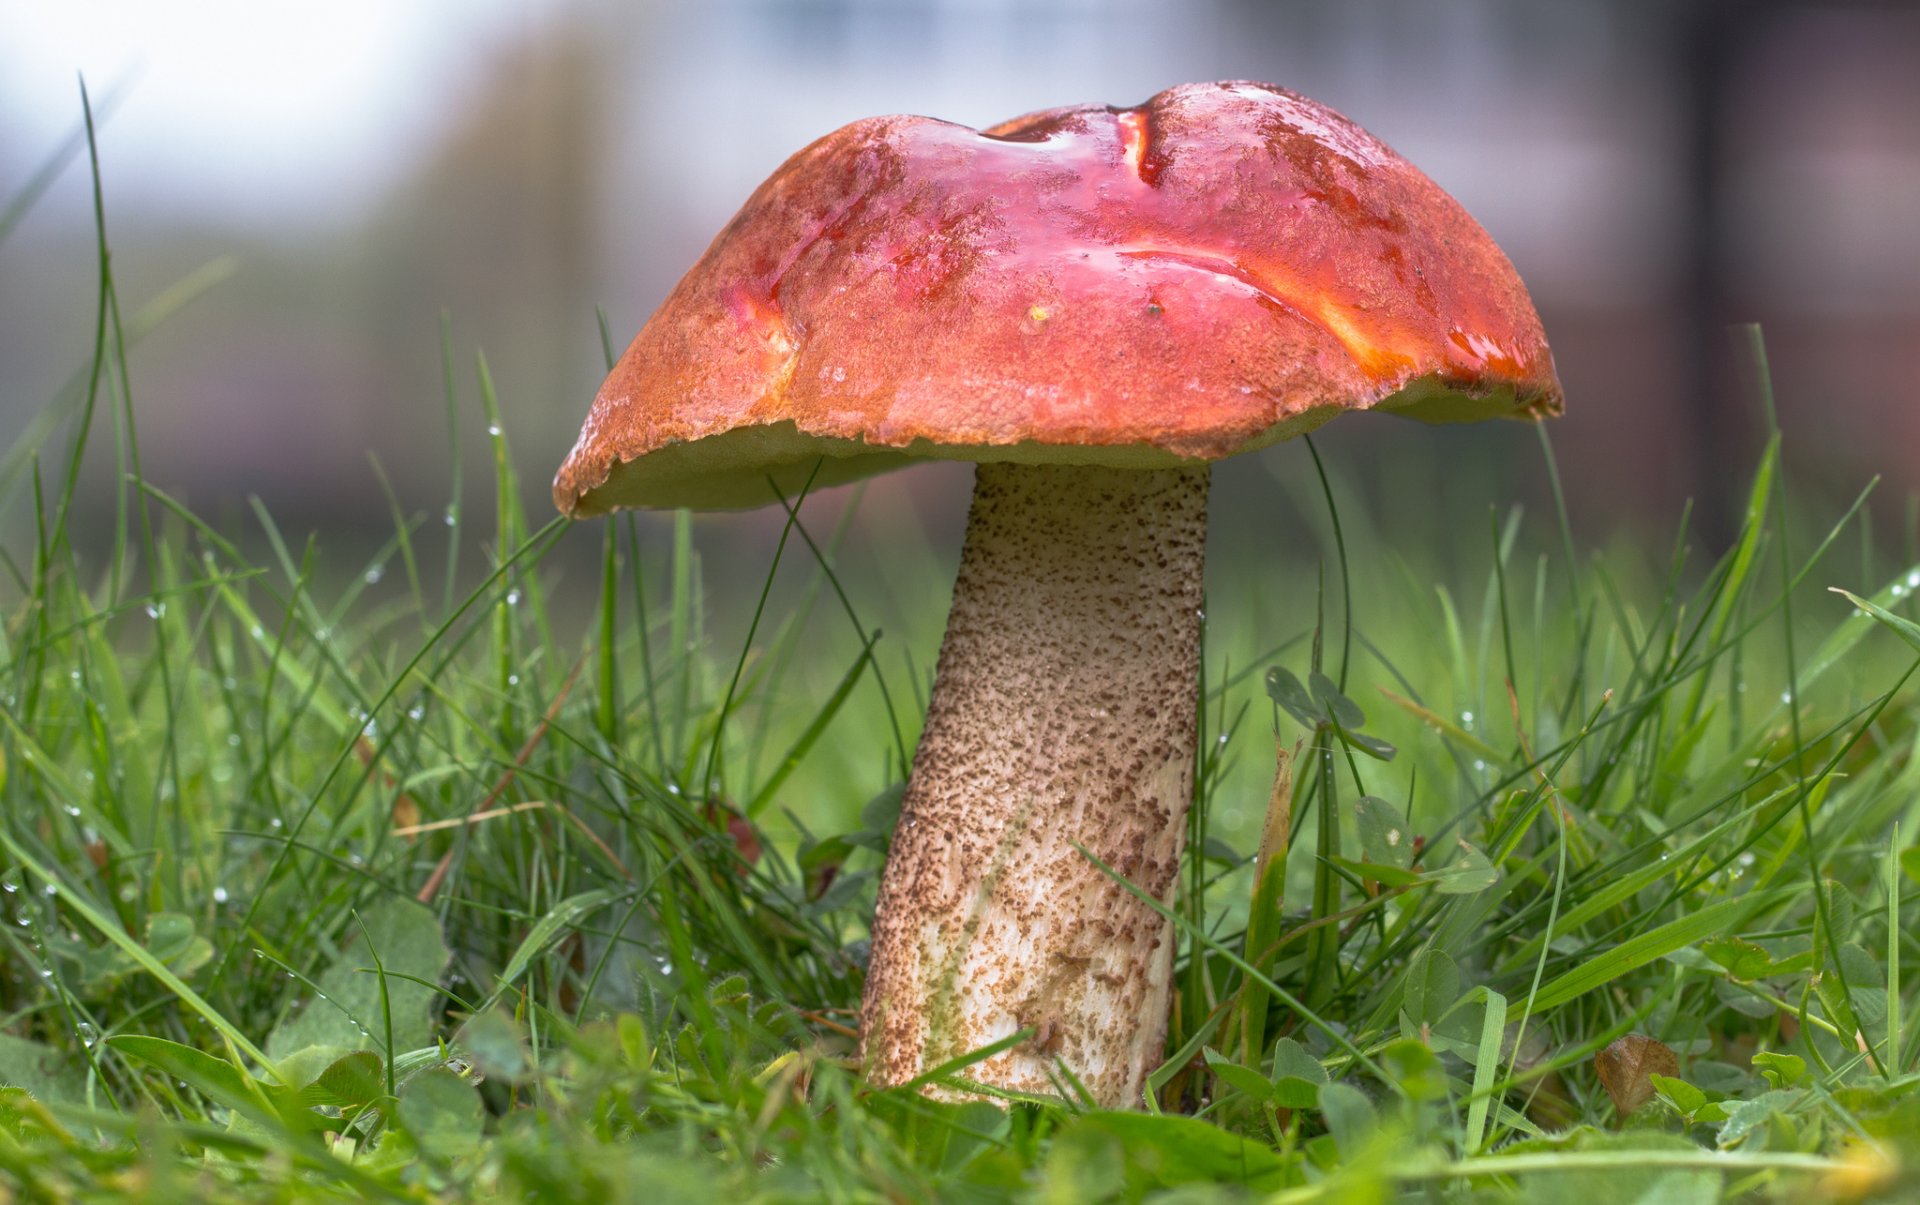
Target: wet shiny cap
[{"x": 1223, "y": 267}]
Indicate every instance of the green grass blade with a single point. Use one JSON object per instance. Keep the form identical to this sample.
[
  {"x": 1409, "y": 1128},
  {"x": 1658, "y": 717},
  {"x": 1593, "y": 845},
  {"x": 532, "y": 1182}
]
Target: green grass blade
[
  {"x": 141, "y": 956},
  {"x": 1604, "y": 967}
]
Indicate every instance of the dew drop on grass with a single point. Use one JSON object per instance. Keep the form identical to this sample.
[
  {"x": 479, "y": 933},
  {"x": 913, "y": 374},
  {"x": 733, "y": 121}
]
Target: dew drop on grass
[
  {"x": 274, "y": 823},
  {"x": 1478, "y": 764},
  {"x": 513, "y": 598},
  {"x": 493, "y": 429},
  {"x": 1913, "y": 580},
  {"x": 220, "y": 895},
  {"x": 10, "y": 884},
  {"x": 452, "y": 518},
  {"x": 513, "y": 679},
  {"x": 416, "y": 713},
  {"x": 128, "y": 894},
  {"x": 88, "y": 1034},
  {"x": 46, "y": 974},
  {"x": 375, "y": 574},
  {"x": 156, "y": 610},
  {"x": 257, "y": 632},
  {"x": 50, "y": 890},
  {"x": 233, "y": 738},
  {"x": 72, "y": 810},
  {"x": 1786, "y": 696}
]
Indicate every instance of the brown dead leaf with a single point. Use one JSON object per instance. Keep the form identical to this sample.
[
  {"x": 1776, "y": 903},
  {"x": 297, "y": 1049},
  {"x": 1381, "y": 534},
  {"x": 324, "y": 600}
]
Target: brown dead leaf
[{"x": 1626, "y": 1066}]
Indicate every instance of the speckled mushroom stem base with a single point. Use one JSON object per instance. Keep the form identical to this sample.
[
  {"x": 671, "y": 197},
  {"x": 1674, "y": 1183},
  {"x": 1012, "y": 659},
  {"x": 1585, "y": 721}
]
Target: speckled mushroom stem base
[{"x": 1063, "y": 712}]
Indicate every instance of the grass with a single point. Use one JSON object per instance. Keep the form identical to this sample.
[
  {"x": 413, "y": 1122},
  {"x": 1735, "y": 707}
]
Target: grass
[{"x": 406, "y": 880}]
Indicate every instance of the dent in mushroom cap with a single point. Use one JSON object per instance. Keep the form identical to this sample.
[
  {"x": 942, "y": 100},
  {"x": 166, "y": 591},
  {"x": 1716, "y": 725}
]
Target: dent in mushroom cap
[{"x": 1224, "y": 266}]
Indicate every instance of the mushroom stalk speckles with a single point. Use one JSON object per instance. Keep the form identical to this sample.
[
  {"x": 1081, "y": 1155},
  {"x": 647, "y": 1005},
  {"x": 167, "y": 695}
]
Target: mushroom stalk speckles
[{"x": 1063, "y": 714}]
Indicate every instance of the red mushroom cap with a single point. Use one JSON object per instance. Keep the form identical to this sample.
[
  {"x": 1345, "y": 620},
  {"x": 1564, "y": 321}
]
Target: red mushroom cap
[{"x": 1222, "y": 267}]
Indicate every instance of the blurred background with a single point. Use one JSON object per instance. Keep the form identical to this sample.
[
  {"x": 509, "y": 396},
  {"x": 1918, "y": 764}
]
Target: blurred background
[{"x": 324, "y": 182}]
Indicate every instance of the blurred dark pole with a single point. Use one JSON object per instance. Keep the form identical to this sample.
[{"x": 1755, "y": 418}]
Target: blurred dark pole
[{"x": 1722, "y": 422}]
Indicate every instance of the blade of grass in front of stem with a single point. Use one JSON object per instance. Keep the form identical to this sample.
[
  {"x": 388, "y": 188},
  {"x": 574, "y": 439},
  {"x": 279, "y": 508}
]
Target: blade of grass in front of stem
[
  {"x": 952, "y": 1067},
  {"x": 1195, "y": 996},
  {"x": 1310, "y": 1016}
]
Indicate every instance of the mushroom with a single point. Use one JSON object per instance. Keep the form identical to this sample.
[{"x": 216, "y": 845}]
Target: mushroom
[{"x": 1093, "y": 304}]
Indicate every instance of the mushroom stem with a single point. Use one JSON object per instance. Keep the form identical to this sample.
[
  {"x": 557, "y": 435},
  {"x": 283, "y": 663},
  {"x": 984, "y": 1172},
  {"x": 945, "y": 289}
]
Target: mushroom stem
[{"x": 1063, "y": 714}]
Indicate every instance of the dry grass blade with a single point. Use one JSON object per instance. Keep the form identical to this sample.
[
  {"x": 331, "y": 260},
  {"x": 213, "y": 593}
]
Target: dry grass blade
[
  {"x": 530, "y": 805},
  {"x": 432, "y": 886}
]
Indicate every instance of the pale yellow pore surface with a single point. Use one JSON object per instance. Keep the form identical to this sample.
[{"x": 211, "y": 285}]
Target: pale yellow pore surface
[
  {"x": 1063, "y": 713},
  {"x": 753, "y": 465}
]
